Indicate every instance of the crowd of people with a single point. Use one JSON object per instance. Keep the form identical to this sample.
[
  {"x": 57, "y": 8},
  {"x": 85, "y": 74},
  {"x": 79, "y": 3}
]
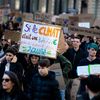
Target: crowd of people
[{"x": 28, "y": 76}]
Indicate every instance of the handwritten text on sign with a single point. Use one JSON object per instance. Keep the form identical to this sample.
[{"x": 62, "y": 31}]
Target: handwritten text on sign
[{"x": 39, "y": 39}]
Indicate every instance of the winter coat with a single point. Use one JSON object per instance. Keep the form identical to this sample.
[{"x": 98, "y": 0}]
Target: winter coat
[
  {"x": 15, "y": 67},
  {"x": 16, "y": 95},
  {"x": 74, "y": 57},
  {"x": 85, "y": 96},
  {"x": 96, "y": 97},
  {"x": 65, "y": 64},
  {"x": 44, "y": 88},
  {"x": 31, "y": 71}
]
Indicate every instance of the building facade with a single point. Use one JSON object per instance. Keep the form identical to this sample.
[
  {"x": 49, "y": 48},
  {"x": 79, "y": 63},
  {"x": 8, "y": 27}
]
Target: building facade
[{"x": 56, "y": 6}]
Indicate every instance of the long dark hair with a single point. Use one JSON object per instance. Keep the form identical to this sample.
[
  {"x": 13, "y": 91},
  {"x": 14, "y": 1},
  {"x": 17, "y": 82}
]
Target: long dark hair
[
  {"x": 30, "y": 62},
  {"x": 14, "y": 79}
]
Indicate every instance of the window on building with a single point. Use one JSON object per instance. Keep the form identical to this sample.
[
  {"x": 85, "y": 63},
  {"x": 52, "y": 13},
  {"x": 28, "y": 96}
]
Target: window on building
[
  {"x": 84, "y": 6},
  {"x": 17, "y": 4}
]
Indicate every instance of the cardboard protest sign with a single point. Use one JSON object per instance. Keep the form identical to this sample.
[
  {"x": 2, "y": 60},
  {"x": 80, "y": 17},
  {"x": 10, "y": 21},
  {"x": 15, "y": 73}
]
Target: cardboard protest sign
[
  {"x": 28, "y": 16},
  {"x": 62, "y": 46},
  {"x": 4, "y": 12},
  {"x": 82, "y": 70},
  {"x": 39, "y": 39},
  {"x": 65, "y": 15},
  {"x": 1, "y": 14},
  {"x": 61, "y": 21},
  {"x": 84, "y": 31},
  {"x": 96, "y": 22},
  {"x": 84, "y": 24},
  {"x": 59, "y": 76},
  {"x": 43, "y": 17},
  {"x": 13, "y": 35},
  {"x": 86, "y": 18},
  {"x": 89, "y": 69},
  {"x": 73, "y": 20}
]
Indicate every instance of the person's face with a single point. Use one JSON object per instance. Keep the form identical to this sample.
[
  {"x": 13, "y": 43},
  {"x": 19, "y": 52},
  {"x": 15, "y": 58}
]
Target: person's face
[
  {"x": 76, "y": 42},
  {"x": 98, "y": 41},
  {"x": 34, "y": 59},
  {"x": 7, "y": 84},
  {"x": 43, "y": 71},
  {"x": 92, "y": 52},
  {"x": 9, "y": 56}
]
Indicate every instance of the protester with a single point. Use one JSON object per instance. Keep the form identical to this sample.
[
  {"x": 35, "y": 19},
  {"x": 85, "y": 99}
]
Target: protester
[
  {"x": 66, "y": 66},
  {"x": 91, "y": 59},
  {"x": 74, "y": 55},
  {"x": 44, "y": 86},
  {"x": 1, "y": 51},
  {"x": 11, "y": 64},
  {"x": 32, "y": 69},
  {"x": 10, "y": 87},
  {"x": 92, "y": 89}
]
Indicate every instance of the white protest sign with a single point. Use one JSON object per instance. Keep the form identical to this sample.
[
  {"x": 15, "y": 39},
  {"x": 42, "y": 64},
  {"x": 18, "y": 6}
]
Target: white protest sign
[
  {"x": 95, "y": 69},
  {"x": 89, "y": 69},
  {"x": 39, "y": 39},
  {"x": 82, "y": 70},
  {"x": 84, "y": 24}
]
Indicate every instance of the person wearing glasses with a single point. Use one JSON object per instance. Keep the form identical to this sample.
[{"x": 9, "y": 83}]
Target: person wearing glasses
[
  {"x": 11, "y": 64},
  {"x": 10, "y": 89},
  {"x": 43, "y": 85}
]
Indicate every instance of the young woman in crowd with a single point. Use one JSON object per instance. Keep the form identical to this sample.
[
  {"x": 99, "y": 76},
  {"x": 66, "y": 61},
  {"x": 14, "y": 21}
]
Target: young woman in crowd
[
  {"x": 10, "y": 89},
  {"x": 32, "y": 69}
]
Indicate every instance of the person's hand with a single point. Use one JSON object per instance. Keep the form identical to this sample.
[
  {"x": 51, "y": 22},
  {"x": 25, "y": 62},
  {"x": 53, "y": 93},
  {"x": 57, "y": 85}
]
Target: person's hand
[
  {"x": 14, "y": 60},
  {"x": 83, "y": 77}
]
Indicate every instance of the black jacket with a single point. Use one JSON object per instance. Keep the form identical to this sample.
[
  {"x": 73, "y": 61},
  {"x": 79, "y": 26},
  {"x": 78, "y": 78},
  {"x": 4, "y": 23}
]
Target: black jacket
[
  {"x": 31, "y": 71},
  {"x": 85, "y": 96},
  {"x": 15, "y": 67},
  {"x": 74, "y": 57},
  {"x": 44, "y": 88},
  {"x": 15, "y": 95}
]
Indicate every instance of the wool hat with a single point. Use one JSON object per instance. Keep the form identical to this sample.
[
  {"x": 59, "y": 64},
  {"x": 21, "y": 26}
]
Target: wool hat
[{"x": 93, "y": 45}]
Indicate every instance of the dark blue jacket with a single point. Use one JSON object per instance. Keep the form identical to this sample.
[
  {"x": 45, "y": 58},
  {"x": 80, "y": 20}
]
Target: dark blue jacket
[{"x": 44, "y": 88}]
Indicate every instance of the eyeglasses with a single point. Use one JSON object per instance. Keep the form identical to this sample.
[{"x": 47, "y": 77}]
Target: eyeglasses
[{"x": 6, "y": 80}]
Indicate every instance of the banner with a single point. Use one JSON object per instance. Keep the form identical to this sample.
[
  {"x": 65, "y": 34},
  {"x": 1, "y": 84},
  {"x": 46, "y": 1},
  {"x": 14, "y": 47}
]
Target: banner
[
  {"x": 39, "y": 39},
  {"x": 62, "y": 46},
  {"x": 28, "y": 16},
  {"x": 13, "y": 35},
  {"x": 3, "y": 14},
  {"x": 61, "y": 21},
  {"x": 84, "y": 31},
  {"x": 43, "y": 17}
]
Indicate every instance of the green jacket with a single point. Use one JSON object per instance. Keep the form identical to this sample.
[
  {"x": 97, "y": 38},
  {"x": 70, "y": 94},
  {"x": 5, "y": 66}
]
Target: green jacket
[{"x": 66, "y": 65}]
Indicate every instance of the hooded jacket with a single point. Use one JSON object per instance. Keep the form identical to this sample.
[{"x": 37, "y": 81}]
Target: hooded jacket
[{"x": 44, "y": 88}]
